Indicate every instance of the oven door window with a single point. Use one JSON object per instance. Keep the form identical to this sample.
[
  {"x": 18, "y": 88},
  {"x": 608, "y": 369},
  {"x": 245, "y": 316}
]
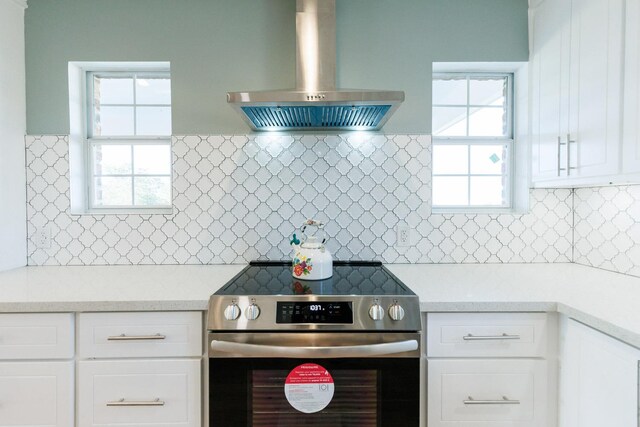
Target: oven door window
[{"x": 371, "y": 392}]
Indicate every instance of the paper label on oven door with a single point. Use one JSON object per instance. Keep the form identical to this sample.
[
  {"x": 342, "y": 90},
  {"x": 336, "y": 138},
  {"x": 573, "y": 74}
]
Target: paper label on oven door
[{"x": 309, "y": 388}]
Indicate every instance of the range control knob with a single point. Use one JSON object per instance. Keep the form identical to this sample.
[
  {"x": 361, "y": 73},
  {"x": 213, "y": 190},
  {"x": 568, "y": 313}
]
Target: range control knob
[
  {"x": 376, "y": 312},
  {"x": 232, "y": 311},
  {"x": 252, "y": 312},
  {"x": 396, "y": 312}
]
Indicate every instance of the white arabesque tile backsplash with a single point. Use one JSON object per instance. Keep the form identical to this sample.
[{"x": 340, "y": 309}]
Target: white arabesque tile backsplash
[
  {"x": 607, "y": 228},
  {"x": 238, "y": 198}
]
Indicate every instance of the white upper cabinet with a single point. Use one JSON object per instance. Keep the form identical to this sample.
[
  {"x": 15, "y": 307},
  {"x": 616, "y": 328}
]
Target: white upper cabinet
[
  {"x": 595, "y": 87},
  {"x": 631, "y": 158},
  {"x": 550, "y": 87},
  {"x": 577, "y": 68}
]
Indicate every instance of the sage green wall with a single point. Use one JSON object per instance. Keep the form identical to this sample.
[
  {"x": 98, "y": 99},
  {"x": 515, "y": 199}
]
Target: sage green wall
[{"x": 219, "y": 45}]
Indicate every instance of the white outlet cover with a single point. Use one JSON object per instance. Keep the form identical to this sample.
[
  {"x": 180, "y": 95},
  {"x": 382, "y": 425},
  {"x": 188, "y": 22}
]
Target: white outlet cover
[
  {"x": 403, "y": 237},
  {"x": 42, "y": 238}
]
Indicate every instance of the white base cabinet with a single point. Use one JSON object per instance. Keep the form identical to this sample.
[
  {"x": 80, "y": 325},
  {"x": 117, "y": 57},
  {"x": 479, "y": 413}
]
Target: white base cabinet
[
  {"x": 132, "y": 393},
  {"x": 487, "y": 334},
  {"x": 36, "y": 394},
  {"x": 140, "y": 334},
  {"x": 488, "y": 392},
  {"x": 490, "y": 370},
  {"x": 598, "y": 379},
  {"x": 28, "y": 336},
  {"x": 142, "y": 369}
]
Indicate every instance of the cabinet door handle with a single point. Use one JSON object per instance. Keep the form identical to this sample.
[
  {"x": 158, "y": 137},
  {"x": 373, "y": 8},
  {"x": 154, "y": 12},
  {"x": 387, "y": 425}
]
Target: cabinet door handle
[
  {"x": 560, "y": 144},
  {"x": 122, "y": 402},
  {"x": 123, "y": 337},
  {"x": 505, "y": 401},
  {"x": 504, "y": 336},
  {"x": 568, "y": 144}
]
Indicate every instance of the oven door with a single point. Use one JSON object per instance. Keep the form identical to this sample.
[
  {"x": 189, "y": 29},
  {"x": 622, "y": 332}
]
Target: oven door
[{"x": 267, "y": 379}]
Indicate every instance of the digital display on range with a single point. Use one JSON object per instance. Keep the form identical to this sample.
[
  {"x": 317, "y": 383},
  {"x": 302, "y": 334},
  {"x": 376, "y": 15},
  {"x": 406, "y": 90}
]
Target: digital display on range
[{"x": 314, "y": 312}]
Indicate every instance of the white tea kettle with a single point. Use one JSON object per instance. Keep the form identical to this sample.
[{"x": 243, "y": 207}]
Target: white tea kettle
[{"x": 311, "y": 259}]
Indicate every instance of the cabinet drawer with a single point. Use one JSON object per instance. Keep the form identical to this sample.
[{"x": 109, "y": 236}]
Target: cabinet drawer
[
  {"x": 487, "y": 334},
  {"x": 490, "y": 392},
  {"x": 140, "y": 334},
  {"x": 36, "y": 336},
  {"x": 159, "y": 392},
  {"x": 36, "y": 394}
]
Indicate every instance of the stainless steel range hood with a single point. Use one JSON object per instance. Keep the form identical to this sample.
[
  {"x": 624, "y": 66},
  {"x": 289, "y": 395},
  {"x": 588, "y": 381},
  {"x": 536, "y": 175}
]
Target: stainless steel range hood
[{"x": 315, "y": 103}]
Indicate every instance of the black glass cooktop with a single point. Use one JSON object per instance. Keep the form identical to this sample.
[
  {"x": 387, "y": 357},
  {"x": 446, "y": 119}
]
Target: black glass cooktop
[{"x": 349, "y": 278}]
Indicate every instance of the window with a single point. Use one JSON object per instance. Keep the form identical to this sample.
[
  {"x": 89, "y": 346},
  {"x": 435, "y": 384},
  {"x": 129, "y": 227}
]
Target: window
[
  {"x": 128, "y": 150},
  {"x": 472, "y": 127}
]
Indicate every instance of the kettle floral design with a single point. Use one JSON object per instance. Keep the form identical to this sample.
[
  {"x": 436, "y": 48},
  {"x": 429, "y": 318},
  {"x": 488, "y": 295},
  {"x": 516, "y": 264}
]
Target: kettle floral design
[
  {"x": 311, "y": 260},
  {"x": 302, "y": 266}
]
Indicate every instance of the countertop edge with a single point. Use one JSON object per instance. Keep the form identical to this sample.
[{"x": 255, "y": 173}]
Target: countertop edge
[
  {"x": 487, "y": 306},
  {"x": 621, "y": 334},
  {"x": 102, "y": 306}
]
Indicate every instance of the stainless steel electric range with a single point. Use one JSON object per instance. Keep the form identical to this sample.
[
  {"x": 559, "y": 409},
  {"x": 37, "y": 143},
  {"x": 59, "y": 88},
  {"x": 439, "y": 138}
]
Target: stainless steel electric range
[{"x": 343, "y": 351}]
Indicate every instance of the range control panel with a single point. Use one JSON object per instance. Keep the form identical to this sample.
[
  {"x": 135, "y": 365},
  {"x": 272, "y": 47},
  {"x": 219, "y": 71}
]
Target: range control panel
[
  {"x": 335, "y": 313},
  {"x": 293, "y": 312}
]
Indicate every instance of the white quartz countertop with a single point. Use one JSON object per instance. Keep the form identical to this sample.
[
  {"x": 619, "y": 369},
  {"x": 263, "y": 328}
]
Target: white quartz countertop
[
  {"x": 112, "y": 288},
  {"x": 606, "y": 301}
]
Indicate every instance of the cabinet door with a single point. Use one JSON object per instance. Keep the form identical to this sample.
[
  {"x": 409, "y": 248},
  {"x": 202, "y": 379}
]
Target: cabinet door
[
  {"x": 133, "y": 393},
  {"x": 487, "y": 334},
  {"x": 140, "y": 334},
  {"x": 486, "y": 393},
  {"x": 598, "y": 379},
  {"x": 595, "y": 115},
  {"x": 549, "y": 87},
  {"x": 631, "y": 147},
  {"x": 36, "y": 394},
  {"x": 36, "y": 336}
]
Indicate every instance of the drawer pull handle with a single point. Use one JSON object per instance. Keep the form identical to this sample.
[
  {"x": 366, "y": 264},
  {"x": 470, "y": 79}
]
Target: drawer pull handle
[
  {"x": 123, "y": 337},
  {"x": 470, "y": 337},
  {"x": 504, "y": 401},
  {"x": 122, "y": 402}
]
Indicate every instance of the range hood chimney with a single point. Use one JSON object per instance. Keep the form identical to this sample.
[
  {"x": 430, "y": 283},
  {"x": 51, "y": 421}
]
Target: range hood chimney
[{"x": 315, "y": 103}]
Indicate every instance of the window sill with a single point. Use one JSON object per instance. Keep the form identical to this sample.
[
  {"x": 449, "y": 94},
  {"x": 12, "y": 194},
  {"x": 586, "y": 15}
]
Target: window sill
[
  {"x": 476, "y": 211},
  {"x": 124, "y": 211}
]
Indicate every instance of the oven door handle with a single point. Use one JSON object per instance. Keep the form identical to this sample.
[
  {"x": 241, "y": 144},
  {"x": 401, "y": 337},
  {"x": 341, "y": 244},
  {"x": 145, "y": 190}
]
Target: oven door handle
[{"x": 367, "y": 350}]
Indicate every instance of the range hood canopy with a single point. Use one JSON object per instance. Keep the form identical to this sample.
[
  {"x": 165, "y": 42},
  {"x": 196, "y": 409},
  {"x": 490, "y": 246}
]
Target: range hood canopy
[{"x": 315, "y": 103}]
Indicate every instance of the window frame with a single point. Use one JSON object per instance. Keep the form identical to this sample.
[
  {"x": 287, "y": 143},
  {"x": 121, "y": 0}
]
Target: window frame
[
  {"x": 508, "y": 140},
  {"x": 90, "y": 141}
]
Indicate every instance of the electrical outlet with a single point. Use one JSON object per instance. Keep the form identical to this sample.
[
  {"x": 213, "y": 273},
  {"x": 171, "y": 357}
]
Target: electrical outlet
[
  {"x": 42, "y": 239},
  {"x": 403, "y": 235}
]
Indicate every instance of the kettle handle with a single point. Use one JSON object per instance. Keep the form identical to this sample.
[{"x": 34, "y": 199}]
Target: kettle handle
[{"x": 313, "y": 223}]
